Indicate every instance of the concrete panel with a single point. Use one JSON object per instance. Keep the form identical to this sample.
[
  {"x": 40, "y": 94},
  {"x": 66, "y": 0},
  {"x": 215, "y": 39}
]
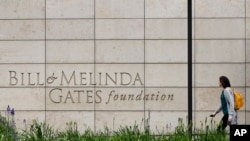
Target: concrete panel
[
  {"x": 248, "y": 28},
  {"x": 119, "y": 99},
  {"x": 165, "y": 51},
  {"x": 166, "y": 9},
  {"x": 248, "y": 74},
  {"x": 70, "y": 9},
  {"x": 119, "y": 8},
  {"x": 123, "y": 51},
  {"x": 166, "y": 99},
  {"x": 247, "y": 119},
  {"x": 248, "y": 8},
  {"x": 82, "y": 120},
  {"x": 207, "y": 75},
  {"x": 218, "y": 51},
  {"x": 248, "y": 51},
  {"x": 70, "y": 29},
  {"x": 166, "y": 29},
  {"x": 22, "y": 9},
  {"x": 168, "y": 75},
  {"x": 115, "y": 120},
  {"x": 22, "y": 29},
  {"x": 247, "y": 100},
  {"x": 119, "y": 29},
  {"x": 219, "y": 8},
  {"x": 165, "y": 122},
  {"x": 119, "y": 75},
  {"x": 218, "y": 28},
  {"x": 22, "y": 52},
  {"x": 23, "y": 98},
  {"x": 70, "y": 75},
  {"x": 22, "y": 75},
  {"x": 70, "y": 51},
  {"x": 61, "y": 99},
  {"x": 207, "y": 99}
]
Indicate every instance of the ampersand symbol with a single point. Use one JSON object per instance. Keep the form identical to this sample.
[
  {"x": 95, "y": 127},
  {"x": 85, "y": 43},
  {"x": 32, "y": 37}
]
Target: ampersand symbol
[{"x": 51, "y": 79}]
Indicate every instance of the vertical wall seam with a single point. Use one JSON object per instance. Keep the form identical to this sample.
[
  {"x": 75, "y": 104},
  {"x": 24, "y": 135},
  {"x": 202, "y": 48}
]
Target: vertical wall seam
[
  {"x": 194, "y": 64},
  {"x": 245, "y": 60},
  {"x": 94, "y": 66},
  {"x": 145, "y": 67},
  {"x": 45, "y": 59}
]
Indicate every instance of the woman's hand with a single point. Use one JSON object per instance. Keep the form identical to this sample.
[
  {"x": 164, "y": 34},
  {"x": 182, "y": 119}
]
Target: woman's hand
[
  {"x": 213, "y": 114},
  {"x": 230, "y": 118}
]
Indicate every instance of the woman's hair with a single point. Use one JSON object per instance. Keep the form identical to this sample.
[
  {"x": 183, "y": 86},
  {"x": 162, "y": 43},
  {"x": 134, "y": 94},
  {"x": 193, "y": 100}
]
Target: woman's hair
[{"x": 225, "y": 81}]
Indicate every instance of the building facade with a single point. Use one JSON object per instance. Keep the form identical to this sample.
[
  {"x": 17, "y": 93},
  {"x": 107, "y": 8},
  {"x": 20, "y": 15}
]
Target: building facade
[{"x": 112, "y": 63}]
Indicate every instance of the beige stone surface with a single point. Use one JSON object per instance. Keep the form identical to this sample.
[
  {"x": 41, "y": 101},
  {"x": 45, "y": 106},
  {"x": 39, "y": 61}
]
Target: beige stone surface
[
  {"x": 248, "y": 74},
  {"x": 119, "y": 8},
  {"x": 218, "y": 28},
  {"x": 23, "y": 98},
  {"x": 166, "y": 29},
  {"x": 219, "y": 8},
  {"x": 69, "y": 9},
  {"x": 247, "y": 120},
  {"x": 246, "y": 98},
  {"x": 119, "y": 51},
  {"x": 218, "y": 51},
  {"x": 119, "y": 29},
  {"x": 248, "y": 28},
  {"x": 165, "y": 122},
  {"x": 114, "y": 120},
  {"x": 169, "y": 99},
  {"x": 70, "y": 75},
  {"x": 120, "y": 75},
  {"x": 22, "y": 52},
  {"x": 166, "y": 9},
  {"x": 207, "y": 75},
  {"x": 70, "y": 51},
  {"x": 248, "y": 51},
  {"x": 22, "y": 9},
  {"x": 71, "y": 99},
  {"x": 166, "y": 51},
  {"x": 248, "y": 8},
  {"x": 207, "y": 98},
  {"x": 108, "y": 99},
  {"x": 22, "y": 75},
  {"x": 166, "y": 75},
  {"x": 82, "y": 120},
  {"x": 22, "y": 29},
  {"x": 70, "y": 29}
]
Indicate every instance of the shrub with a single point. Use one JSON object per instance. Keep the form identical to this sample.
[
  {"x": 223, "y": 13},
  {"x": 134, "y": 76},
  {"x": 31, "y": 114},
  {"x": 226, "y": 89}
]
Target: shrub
[{"x": 7, "y": 125}]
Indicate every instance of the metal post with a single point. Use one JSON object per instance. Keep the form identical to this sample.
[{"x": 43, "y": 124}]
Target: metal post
[{"x": 189, "y": 8}]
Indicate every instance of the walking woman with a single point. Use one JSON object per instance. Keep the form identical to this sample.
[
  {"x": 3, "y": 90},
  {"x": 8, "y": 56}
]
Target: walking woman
[{"x": 227, "y": 105}]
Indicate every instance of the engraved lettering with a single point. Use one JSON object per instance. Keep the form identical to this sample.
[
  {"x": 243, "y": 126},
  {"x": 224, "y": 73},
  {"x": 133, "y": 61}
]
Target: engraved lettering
[
  {"x": 63, "y": 77},
  {"x": 13, "y": 78},
  {"x": 59, "y": 100}
]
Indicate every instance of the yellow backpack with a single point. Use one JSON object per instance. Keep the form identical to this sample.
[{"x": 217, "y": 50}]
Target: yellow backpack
[{"x": 238, "y": 100}]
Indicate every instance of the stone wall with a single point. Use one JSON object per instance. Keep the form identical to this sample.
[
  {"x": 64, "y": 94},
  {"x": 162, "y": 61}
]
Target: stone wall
[{"x": 119, "y": 62}]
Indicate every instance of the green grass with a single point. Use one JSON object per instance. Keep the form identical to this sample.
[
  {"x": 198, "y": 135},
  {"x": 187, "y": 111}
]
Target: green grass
[{"x": 39, "y": 131}]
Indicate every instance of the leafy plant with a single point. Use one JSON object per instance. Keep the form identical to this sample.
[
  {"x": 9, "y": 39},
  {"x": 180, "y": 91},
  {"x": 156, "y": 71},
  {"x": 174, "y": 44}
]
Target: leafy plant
[
  {"x": 7, "y": 125},
  {"x": 40, "y": 131}
]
